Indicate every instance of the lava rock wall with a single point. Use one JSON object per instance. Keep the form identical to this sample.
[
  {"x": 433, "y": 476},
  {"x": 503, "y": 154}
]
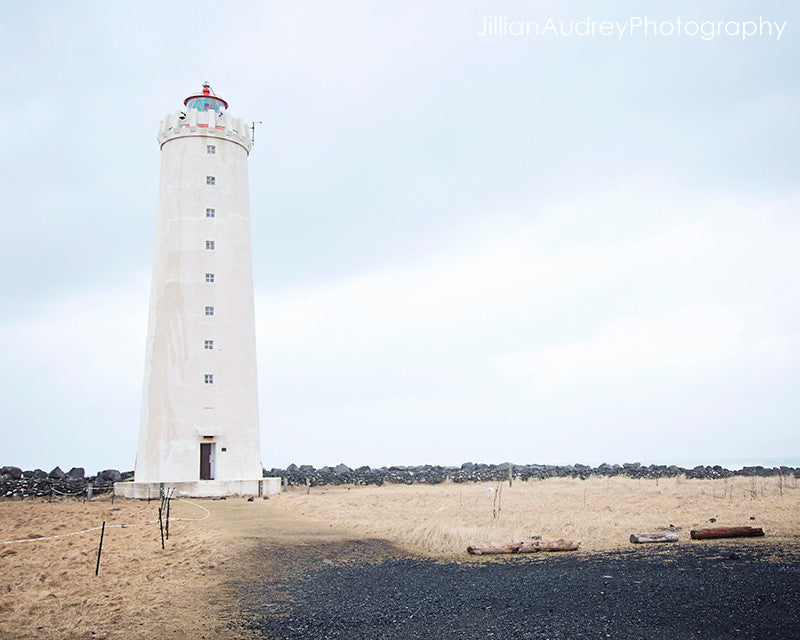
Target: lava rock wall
[
  {"x": 477, "y": 472},
  {"x": 16, "y": 482}
]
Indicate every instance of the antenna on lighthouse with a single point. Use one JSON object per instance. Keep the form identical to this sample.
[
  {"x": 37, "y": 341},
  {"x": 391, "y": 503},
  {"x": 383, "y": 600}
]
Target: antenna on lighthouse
[{"x": 253, "y": 134}]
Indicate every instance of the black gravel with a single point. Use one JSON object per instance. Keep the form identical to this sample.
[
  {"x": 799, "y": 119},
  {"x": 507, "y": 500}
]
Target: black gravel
[{"x": 723, "y": 590}]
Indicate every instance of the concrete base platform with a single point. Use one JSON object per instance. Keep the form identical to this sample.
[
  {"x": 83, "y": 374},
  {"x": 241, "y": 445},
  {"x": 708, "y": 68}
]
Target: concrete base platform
[{"x": 199, "y": 488}]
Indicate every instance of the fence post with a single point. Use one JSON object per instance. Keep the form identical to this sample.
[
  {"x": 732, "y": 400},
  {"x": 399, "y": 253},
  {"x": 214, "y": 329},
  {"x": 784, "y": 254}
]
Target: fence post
[
  {"x": 100, "y": 548},
  {"x": 167, "y": 527},
  {"x": 161, "y": 526}
]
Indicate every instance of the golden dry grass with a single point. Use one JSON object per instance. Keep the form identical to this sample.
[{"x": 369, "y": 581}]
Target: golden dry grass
[
  {"x": 442, "y": 520},
  {"x": 49, "y": 589}
]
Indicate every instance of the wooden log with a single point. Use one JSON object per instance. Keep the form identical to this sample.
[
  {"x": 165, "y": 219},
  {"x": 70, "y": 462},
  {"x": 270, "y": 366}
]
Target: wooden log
[
  {"x": 726, "y": 532},
  {"x": 549, "y": 545},
  {"x": 641, "y": 538},
  {"x": 523, "y": 547},
  {"x": 490, "y": 548}
]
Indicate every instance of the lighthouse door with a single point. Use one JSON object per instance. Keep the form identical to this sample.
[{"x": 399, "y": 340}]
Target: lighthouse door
[{"x": 207, "y": 460}]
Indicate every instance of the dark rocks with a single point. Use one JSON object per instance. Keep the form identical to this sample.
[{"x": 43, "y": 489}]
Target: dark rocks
[
  {"x": 39, "y": 483},
  {"x": 692, "y": 592},
  {"x": 110, "y": 475},
  {"x": 14, "y": 472},
  {"x": 15, "y": 482},
  {"x": 479, "y": 472},
  {"x": 759, "y": 471}
]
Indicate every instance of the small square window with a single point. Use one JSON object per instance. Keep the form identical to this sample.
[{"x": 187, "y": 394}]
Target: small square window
[
  {"x": 210, "y": 213},
  {"x": 209, "y": 377},
  {"x": 209, "y": 311},
  {"x": 209, "y": 277},
  {"x": 211, "y": 149},
  {"x": 210, "y": 245},
  {"x": 209, "y": 344},
  {"x": 211, "y": 180}
]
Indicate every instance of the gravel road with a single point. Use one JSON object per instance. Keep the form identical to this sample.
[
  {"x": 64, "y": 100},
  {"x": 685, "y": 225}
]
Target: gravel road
[{"x": 710, "y": 590}]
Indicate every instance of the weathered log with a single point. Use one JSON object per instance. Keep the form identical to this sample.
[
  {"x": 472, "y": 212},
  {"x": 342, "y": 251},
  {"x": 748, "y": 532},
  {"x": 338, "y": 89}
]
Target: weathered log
[
  {"x": 726, "y": 532},
  {"x": 523, "y": 547},
  {"x": 549, "y": 545},
  {"x": 641, "y": 538},
  {"x": 489, "y": 547}
]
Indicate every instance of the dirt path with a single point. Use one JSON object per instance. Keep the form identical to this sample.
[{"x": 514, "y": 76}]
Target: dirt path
[
  {"x": 48, "y": 587},
  {"x": 273, "y": 547}
]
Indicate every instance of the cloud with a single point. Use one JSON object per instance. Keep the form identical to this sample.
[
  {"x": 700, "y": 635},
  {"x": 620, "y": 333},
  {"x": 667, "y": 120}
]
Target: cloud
[
  {"x": 691, "y": 337},
  {"x": 88, "y": 345},
  {"x": 508, "y": 271}
]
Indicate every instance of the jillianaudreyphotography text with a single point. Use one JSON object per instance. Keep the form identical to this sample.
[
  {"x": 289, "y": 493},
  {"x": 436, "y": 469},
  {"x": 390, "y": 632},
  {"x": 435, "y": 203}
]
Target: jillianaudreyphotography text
[{"x": 630, "y": 27}]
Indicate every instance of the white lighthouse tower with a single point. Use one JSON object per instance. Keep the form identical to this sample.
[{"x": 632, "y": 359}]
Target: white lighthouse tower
[{"x": 199, "y": 431}]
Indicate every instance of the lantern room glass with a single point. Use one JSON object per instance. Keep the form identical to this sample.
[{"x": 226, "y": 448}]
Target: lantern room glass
[{"x": 206, "y": 103}]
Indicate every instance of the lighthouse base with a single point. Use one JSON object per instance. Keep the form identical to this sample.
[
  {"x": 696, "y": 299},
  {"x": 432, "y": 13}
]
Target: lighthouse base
[{"x": 199, "y": 488}]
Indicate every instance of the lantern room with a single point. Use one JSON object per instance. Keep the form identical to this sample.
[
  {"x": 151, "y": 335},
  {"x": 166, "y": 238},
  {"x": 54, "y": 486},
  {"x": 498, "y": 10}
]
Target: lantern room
[{"x": 206, "y": 101}]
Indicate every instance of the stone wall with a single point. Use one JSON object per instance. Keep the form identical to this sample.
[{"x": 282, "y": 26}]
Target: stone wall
[
  {"x": 16, "y": 482},
  {"x": 476, "y": 472}
]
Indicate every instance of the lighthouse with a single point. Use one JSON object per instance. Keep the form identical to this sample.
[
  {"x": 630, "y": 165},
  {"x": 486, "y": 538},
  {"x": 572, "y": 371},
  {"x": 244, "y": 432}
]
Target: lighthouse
[{"x": 199, "y": 428}]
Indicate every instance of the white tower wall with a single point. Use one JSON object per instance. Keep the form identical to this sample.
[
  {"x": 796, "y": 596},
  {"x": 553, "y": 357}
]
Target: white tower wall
[{"x": 182, "y": 407}]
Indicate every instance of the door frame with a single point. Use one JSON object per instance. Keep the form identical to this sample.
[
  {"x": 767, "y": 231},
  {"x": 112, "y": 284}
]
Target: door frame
[{"x": 208, "y": 459}]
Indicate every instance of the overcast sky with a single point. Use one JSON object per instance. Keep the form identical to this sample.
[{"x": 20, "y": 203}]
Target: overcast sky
[{"x": 546, "y": 249}]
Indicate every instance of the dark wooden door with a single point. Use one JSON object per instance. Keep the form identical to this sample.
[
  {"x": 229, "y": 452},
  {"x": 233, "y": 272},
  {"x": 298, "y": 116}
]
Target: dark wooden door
[{"x": 205, "y": 460}]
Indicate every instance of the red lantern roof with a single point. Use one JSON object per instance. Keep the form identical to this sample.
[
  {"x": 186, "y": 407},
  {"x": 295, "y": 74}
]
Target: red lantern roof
[{"x": 206, "y": 101}]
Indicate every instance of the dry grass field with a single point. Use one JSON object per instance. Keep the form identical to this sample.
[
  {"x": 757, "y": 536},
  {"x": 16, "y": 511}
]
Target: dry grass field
[
  {"x": 442, "y": 520},
  {"x": 49, "y": 589}
]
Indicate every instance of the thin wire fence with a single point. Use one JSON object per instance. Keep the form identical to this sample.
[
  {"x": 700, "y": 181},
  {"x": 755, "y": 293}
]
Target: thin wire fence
[{"x": 118, "y": 526}]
